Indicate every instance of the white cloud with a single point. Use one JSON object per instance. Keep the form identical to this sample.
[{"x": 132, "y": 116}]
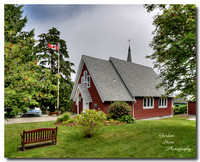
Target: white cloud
[{"x": 103, "y": 32}]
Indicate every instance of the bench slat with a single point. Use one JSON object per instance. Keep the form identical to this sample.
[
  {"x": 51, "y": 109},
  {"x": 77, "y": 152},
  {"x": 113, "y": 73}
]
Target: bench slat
[{"x": 39, "y": 135}]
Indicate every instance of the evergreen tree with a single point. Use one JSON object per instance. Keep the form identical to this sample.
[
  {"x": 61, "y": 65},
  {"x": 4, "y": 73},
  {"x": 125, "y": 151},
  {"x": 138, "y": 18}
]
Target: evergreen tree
[
  {"x": 174, "y": 45},
  {"x": 25, "y": 83},
  {"x": 49, "y": 58}
]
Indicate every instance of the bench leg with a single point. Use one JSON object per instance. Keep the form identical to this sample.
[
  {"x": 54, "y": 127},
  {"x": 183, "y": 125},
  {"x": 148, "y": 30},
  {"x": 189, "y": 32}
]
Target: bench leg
[
  {"x": 54, "y": 142},
  {"x": 23, "y": 147}
]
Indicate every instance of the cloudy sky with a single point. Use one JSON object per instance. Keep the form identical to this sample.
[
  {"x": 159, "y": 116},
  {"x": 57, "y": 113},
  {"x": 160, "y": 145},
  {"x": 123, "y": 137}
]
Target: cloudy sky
[{"x": 100, "y": 31}]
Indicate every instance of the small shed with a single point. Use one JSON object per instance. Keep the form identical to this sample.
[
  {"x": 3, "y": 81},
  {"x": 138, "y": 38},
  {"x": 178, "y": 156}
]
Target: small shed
[
  {"x": 179, "y": 102},
  {"x": 192, "y": 107}
]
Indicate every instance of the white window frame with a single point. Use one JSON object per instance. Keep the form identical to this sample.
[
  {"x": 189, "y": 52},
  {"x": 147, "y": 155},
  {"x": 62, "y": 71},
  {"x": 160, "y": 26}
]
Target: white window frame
[
  {"x": 88, "y": 82},
  {"x": 85, "y": 76},
  {"x": 162, "y": 106},
  {"x": 82, "y": 80},
  {"x": 146, "y": 99}
]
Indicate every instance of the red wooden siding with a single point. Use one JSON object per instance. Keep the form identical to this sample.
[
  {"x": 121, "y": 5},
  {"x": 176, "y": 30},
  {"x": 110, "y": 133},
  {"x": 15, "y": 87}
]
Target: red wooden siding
[
  {"x": 192, "y": 108},
  {"x": 93, "y": 92},
  {"x": 140, "y": 113},
  {"x": 74, "y": 107}
]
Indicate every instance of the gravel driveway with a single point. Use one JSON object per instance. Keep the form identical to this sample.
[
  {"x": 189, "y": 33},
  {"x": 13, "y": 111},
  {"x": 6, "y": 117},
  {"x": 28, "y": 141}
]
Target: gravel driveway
[{"x": 31, "y": 119}]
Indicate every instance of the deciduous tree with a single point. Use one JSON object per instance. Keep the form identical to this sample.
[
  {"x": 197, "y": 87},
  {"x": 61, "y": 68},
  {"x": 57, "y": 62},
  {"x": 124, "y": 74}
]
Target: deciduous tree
[
  {"x": 25, "y": 83},
  {"x": 174, "y": 45}
]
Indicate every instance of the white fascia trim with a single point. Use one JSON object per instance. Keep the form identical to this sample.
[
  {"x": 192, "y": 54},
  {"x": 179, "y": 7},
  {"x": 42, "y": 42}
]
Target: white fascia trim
[
  {"x": 76, "y": 94},
  {"x": 134, "y": 100},
  {"x": 76, "y": 79}
]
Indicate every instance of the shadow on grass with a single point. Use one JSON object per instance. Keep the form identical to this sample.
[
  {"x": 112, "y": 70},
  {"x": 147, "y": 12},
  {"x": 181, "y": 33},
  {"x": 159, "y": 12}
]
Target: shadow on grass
[{"x": 35, "y": 146}]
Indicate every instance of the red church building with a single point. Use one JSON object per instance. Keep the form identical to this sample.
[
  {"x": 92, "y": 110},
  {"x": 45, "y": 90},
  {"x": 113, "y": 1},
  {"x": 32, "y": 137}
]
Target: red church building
[{"x": 100, "y": 82}]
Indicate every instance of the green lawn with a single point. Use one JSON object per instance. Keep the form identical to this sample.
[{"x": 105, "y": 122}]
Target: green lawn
[{"x": 139, "y": 140}]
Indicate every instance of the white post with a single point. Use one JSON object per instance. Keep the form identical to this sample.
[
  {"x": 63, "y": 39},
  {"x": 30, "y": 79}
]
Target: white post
[{"x": 58, "y": 82}]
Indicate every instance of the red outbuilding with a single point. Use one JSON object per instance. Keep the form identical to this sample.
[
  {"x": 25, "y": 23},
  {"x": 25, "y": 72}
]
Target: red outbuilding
[
  {"x": 100, "y": 82},
  {"x": 192, "y": 108}
]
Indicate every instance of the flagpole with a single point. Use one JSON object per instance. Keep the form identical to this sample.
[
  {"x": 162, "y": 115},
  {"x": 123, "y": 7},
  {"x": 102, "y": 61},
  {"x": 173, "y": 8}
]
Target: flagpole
[{"x": 58, "y": 82}]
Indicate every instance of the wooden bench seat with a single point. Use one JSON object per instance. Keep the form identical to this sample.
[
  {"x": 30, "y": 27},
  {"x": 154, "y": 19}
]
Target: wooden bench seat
[{"x": 39, "y": 135}]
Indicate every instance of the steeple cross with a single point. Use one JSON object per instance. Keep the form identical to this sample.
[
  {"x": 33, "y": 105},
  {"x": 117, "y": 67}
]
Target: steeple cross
[{"x": 129, "y": 41}]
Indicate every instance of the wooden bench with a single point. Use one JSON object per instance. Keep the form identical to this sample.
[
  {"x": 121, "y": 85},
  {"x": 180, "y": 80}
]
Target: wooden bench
[
  {"x": 52, "y": 113},
  {"x": 39, "y": 135}
]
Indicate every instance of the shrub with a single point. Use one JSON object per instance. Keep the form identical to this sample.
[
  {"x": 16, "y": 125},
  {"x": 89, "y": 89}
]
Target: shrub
[
  {"x": 176, "y": 110},
  {"x": 118, "y": 109},
  {"x": 59, "y": 119},
  {"x": 127, "y": 119},
  {"x": 108, "y": 116},
  {"x": 89, "y": 122},
  {"x": 112, "y": 121},
  {"x": 65, "y": 122},
  {"x": 181, "y": 110},
  {"x": 72, "y": 120},
  {"x": 66, "y": 116}
]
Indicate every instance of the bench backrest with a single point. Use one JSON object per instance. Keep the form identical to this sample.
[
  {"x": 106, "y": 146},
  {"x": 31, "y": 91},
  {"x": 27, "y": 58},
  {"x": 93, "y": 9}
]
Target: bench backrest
[{"x": 39, "y": 134}]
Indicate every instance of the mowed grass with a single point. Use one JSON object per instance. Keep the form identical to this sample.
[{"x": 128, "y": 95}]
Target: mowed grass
[{"x": 139, "y": 140}]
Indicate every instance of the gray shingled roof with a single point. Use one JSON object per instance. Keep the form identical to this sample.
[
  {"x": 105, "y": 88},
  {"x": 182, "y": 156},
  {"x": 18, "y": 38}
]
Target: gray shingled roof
[
  {"x": 85, "y": 93},
  {"x": 119, "y": 80},
  {"x": 107, "y": 81},
  {"x": 140, "y": 80},
  {"x": 179, "y": 100}
]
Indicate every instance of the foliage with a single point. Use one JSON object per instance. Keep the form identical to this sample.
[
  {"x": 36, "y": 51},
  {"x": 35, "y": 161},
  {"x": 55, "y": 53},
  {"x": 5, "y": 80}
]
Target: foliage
[
  {"x": 71, "y": 120},
  {"x": 25, "y": 83},
  {"x": 65, "y": 122},
  {"x": 115, "y": 141},
  {"x": 59, "y": 119},
  {"x": 127, "y": 119},
  {"x": 108, "y": 116},
  {"x": 111, "y": 121},
  {"x": 118, "y": 109},
  {"x": 90, "y": 122},
  {"x": 48, "y": 59},
  {"x": 180, "y": 110},
  {"x": 10, "y": 113},
  {"x": 14, "y": 23},
  {"x": 66, "y": 116},
  {"x": 174, "y": 45}
]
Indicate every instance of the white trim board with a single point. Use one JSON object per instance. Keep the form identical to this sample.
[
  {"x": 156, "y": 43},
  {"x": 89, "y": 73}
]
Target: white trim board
[{"x": 160, "y": 117}]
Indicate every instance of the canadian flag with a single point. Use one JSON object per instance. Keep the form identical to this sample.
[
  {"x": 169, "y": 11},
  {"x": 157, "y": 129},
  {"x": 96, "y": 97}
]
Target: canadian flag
[{"x": 54, "y": 47}]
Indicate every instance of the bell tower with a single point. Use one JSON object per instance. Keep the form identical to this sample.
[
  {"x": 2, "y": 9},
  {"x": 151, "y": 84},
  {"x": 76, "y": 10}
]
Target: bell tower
[{"x": 129, "y": 59}]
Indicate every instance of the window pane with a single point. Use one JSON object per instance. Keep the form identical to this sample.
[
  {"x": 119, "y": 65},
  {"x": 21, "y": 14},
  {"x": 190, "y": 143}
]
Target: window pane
[
  {"x": 88, "y": 81},
  {"x": 148, "y": 102},
  {"x": 151, "y": 102},
  {"x": 159, "y": 101},
  {"x": 144, "y": 100},
  {"x": 82, "y": 80},
  {"x": 165, "y": 104},
  {"x": 85, "y": 76}
]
